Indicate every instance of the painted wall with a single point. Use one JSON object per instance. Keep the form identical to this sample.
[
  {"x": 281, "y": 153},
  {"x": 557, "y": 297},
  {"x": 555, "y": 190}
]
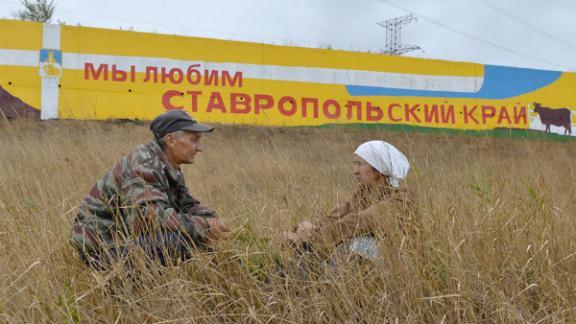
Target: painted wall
[{"x": 87, "y": 73}]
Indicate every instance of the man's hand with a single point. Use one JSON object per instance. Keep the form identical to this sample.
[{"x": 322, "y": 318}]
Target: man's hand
[
  {"x": 217, "y": 229},
  {"x": 200, "y": 210}
]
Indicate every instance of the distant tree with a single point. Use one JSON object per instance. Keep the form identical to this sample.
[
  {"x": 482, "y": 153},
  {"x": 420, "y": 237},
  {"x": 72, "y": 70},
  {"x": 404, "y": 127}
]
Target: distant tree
[{"x": 36, "y": 10}]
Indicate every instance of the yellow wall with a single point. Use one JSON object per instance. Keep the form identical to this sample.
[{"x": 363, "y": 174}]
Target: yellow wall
[{"x": 405, "y": 90}]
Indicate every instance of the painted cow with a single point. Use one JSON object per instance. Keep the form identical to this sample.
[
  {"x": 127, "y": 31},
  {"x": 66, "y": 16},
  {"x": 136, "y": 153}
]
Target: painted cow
[{"x": 554, "y": 116}]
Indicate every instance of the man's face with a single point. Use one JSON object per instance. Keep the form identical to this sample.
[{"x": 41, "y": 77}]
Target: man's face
[
  {"x": 365, "y": 173},
  {"x": 184, "y": 148}
]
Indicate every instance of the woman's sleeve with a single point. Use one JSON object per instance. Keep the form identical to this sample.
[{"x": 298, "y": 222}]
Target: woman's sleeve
[
  {"x": 333, "y": 216},
  {"x": 397, "y": 210},
  {"x": 351, "y": 225}
]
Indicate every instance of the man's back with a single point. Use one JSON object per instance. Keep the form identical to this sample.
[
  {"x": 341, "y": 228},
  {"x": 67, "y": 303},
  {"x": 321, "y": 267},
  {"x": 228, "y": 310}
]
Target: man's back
[
  {"x": 143, "y": 202},
  {"x": 140, "y": 193}
]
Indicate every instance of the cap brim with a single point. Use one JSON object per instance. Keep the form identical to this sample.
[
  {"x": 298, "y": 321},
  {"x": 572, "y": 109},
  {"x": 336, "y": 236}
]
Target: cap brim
[{"x": 196, "y": 127}]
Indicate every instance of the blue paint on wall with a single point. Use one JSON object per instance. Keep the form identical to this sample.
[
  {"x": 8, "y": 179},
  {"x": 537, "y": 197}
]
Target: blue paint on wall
[
  {"x": 500, "y": 82},
  {"x": 56, "y": 54}
]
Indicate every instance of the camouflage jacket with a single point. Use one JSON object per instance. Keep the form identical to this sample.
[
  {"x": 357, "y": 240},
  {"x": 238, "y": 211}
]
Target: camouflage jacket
[{"x": 143, "y": 192}]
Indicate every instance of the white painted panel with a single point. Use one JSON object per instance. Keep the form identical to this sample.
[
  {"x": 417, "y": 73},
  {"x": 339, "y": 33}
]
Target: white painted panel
[
  {"x": 288, "y": 73},
  {"x": 50, "y": 90},
  {"x": 51, "y": 37},
  {"x": 267, "y": 72},
  {"x": 49, "y": 101},
  {"x": 11, "y": 57}
]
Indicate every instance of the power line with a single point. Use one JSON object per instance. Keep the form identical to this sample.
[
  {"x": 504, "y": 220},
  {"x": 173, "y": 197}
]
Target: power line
[
  {"x": 215, "y": 33},
  {"x": 476, "y": 38},
  {"x": 524, "y": 23},
  {"x": 389, "y": 3}
]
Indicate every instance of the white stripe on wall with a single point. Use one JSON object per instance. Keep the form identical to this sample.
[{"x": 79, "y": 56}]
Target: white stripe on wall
[
  {"x": 50, "y": 90},
  {"x": 49, "y": 98},
  {"x": 9, "y": 57},
  {"x": 72, "y": 61},
  {"x": 288, "y": 73},
  {"x": 51, "y": 36}
]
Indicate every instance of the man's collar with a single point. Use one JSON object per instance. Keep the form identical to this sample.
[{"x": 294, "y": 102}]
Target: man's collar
[{"x": 174, "y": 171}]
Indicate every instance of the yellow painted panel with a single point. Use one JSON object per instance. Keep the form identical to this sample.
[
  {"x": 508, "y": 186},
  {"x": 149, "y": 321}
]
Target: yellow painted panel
[
  {"x": 419, "y": 92},
  {"x": 22, "y": 35},
  {"x": 22, "y": 82},
  {"x": 126, "y": 43},
  {"x": 105, "y": 100}
]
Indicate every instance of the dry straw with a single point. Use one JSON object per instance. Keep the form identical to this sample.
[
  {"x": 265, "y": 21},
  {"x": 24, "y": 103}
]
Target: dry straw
[{"x": 495, "y": 240}]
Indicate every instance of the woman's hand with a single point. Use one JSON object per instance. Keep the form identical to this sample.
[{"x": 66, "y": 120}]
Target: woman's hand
[
  {"x": 301, "y": 234},
  {"x": 305, "y": 226},
  {"x": 288, "y": 237}
]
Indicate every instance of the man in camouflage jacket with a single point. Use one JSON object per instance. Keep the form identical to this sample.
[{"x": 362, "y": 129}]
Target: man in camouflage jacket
[{"x": 143, "y": 202}]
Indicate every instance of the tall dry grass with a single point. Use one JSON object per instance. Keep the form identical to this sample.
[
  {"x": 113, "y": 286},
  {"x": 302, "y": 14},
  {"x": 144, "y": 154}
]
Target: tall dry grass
[{"x": 496, "y": 240}]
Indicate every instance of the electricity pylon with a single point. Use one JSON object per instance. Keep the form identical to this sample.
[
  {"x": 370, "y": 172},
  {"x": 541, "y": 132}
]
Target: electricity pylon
[{"x": 393, "y": 28}]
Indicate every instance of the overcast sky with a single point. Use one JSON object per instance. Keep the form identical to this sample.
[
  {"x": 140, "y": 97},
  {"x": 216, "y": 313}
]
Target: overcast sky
[{"x": 525, "y": 33}]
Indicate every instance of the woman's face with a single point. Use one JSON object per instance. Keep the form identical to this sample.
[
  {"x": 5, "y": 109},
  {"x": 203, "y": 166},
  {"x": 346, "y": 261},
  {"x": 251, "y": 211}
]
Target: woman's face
[{"x": 365, "y": 173}]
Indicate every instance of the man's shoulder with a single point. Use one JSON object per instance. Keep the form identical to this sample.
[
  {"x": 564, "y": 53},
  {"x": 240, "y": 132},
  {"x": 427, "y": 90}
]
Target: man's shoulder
[
  {"x": 145, "y": 156},
  {"x": 143, "y": 162}
]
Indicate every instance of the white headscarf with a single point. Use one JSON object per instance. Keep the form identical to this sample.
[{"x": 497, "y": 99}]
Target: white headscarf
[{"x": 386, "y": 159}]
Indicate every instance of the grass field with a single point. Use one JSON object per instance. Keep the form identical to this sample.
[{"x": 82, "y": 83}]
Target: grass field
[{"x": 495, "y": 242}]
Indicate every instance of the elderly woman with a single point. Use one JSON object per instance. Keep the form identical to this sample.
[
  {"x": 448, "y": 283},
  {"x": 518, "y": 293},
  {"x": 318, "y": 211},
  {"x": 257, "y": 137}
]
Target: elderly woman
[{"x": 380, "y": 170}]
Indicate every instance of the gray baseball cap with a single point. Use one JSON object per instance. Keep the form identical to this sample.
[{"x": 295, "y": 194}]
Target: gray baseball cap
[{"x": 175, "y": 120}]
